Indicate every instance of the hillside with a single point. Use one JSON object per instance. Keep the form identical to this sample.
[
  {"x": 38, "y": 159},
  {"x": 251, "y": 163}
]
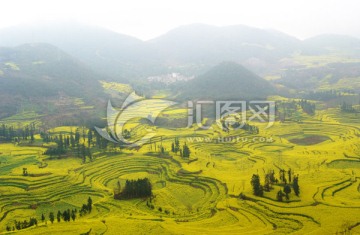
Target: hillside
[
  {"x": 39, "y": 73},
  {"x": 342, "y": 76},
  {"x": 227, "y": 80},
  {"x": 107, "y": 52}
]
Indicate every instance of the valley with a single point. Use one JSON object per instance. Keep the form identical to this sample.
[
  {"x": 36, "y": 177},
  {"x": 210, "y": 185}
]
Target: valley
[{"x": 103, "y": 133}]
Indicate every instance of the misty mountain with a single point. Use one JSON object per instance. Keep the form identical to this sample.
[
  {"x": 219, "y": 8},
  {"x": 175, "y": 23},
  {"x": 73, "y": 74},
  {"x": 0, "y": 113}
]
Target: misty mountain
[
  {"x": 189, "y": 50},
  {"x": 105, "y": 51},
  {"x": 209, "y": 45},
  {"x": 37, "y": 73},
  {"x": 331, "y": 43},
  {"x": 225, "y": 81}
]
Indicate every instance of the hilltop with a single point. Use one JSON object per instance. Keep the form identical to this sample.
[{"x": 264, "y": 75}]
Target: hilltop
[{"x": 227, "y": 80}]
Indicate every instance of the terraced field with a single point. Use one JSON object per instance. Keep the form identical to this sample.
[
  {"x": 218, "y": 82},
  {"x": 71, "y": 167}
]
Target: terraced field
[{"x": 210, "y": 193}]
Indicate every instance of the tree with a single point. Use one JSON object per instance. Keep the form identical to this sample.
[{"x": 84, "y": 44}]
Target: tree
[
  {"x": 72, "y": 140},
  {"x": 282, "y": 176},
  {"x": 296, "y": 186},
  {"x": 269, "y": 180},
  {"x": 279, "y": 196},
  {"x": 51, "y": 217},
  {"x": 61, "y": 142},
  {"x": 90, "y": 137},
  {"x": 289, "y": 173},
  {"x": 88, "y": 153},
  {"x": 58, "y": 216},
  {"x": 287, "y": 190},
  {"x": 172, "y": 147},
  {"x": 83, "y": 152},
  {"x": 42, "y": 217},
  {"x": 73, "y": 215},
  {"x": 257, "y": 187},
  {"x": 186, "y": 151},
  {"x": 25, "y": 172},
  {"x": 32, "y": 138},
  {"x": 77, "y": 136},
  {"x": 176, "y": 145},
  {"x": 119, "y": 185},
  {"x": 89, "y": 205},
  {"x": 65, "y": 216}
]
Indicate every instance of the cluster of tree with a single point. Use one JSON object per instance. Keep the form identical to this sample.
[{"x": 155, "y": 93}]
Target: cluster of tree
[
  {"x": 285, "y": 109},
  {"x": 55, "y": 151},
  {"x": 184, "y": 152},
  {"x": 282, "y": 176},
  {"x": 322, "y": 95},
  {"x": 307, "y": 107},
  {"x": 18, "y": 225},
  {"x": 86, "y": 208},
  {"x": 68, "y": 215},
  {"x": 65, "y": 141},
  {"x": 270, "y": 180},
  {"x": 286, "y": 180},
  {"x": 79, "y": 143},
  {"x": 238, "y": 124},
  {"x": 150, "y": 205},
  {"x": 175, "y": 146},
  {"x": 287, "y": 190},
  {"x": 290, "y": 109},
  {"x": 9, "y": 133},
  {"x": 247, "y": 127},
  {"x": 139, "y": 188},
  {"x": 69, "y": 143},
  {"x": 258, "y": 189},
  {"x": 347, "y": 108},
  {"x": 126, "y": 134}
]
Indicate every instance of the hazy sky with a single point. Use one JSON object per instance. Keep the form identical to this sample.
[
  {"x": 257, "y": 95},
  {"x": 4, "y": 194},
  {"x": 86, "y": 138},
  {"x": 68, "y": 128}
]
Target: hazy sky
[{"x": 146, "y": 19}]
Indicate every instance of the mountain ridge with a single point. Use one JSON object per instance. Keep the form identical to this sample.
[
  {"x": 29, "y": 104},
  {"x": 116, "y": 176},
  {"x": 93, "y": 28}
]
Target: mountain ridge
[{"x": 188, "y": 49}]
